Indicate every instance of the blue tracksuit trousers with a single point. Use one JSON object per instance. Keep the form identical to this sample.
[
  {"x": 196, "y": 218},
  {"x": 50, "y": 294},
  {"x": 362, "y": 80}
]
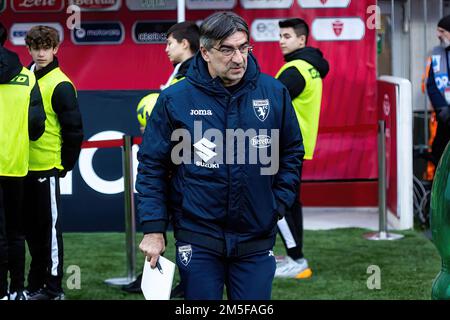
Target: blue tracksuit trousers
[{"x": 204, "y": 274}]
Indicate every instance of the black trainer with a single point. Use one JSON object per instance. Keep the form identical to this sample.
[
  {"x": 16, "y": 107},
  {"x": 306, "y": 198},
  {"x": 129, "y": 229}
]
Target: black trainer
[
  {"x": 43, "y": 294},
  {"x": 177, "y": 291},
  {"x": 135, "y": 286}
]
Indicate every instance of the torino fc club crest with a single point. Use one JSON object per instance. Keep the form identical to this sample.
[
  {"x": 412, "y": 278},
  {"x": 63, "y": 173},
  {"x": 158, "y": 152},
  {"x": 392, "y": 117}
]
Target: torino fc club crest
[
  {"x": 185, "y": 254},
  {"x": 261, "y": 108}
]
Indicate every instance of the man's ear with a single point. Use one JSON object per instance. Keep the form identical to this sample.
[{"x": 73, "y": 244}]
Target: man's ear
[
  {"x": 185, "y": 44},
  {"x": 303, "y": 40},
  {"x": 205, "y": 54},
  {"x": 55, "y": 50}
]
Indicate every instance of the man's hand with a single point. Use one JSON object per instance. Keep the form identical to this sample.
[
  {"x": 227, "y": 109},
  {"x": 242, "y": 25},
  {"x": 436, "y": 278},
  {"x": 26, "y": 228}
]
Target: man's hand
[{"x": 152, "y": 246}]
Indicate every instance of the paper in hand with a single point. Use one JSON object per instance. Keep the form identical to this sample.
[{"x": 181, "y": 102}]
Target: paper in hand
[{"x": 156, "y": 285}]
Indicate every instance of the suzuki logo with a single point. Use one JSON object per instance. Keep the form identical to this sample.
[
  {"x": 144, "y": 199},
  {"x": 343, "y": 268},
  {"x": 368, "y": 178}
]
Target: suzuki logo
[
  {"x": 205, "y": 149},
  {"x": 338, "y": 26}
]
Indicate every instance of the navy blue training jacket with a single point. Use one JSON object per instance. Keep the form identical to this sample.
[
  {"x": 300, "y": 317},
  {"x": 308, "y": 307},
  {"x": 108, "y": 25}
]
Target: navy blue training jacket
[{"x": 222, "y": 203}]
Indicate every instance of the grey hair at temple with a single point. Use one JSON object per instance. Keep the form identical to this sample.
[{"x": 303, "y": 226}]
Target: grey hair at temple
[{"x": 219, "y": 26}]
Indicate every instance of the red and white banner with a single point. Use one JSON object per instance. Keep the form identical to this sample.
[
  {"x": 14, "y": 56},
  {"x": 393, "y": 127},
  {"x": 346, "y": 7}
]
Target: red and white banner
[
  {"x": 97, "y": 5},
  {"x": 121, "y": 47},
  {"x": 395, "y": 108},
  {"x": 387, "y": 106},
  {"x": 314, "y": 4},
  {"x": 37, "y": 6}
]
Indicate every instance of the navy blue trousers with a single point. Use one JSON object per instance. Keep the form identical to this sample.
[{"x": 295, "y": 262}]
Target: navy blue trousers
[{"x": 204, "y": 273}]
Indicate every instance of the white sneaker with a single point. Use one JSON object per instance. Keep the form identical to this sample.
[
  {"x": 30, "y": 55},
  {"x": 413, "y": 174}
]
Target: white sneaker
[
  {"x": 18, "y": 295},
  {"x": 4, "y": 298},
  {"x": 289, "y": 268}
]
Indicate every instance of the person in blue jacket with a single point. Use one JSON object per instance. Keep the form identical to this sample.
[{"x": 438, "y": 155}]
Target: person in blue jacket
[
  {"x": 438, "y": 89},
  {"x": 230, "y": 137}
]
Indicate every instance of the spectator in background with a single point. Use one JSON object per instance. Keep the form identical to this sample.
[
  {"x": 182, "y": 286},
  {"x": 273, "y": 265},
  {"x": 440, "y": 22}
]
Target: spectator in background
[
  {"x": 302, "y": 75},
  {"x": 51, "y": 157},
  {"x": 22, "y": 118},
  {"x": 182, "y": 45},
  {"x": 438, "y": 89}
]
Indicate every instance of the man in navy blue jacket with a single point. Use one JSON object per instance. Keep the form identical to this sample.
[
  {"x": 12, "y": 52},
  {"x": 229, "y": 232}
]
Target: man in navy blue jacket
[
  {"x": 230, "y": 137},
  {"x": 438, "y": 89}
]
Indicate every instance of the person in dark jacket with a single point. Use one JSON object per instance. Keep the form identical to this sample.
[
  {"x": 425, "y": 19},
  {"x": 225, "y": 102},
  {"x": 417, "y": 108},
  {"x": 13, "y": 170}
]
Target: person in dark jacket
[
  {"x": 302, "y": 75},
  {"x": 182, "y": 45},
  {"x": 229, "y": 135},
  {"x": 51, "y": 157},
  {"x": 438, "y": 89},
  {"x": 22, "y": 118}
]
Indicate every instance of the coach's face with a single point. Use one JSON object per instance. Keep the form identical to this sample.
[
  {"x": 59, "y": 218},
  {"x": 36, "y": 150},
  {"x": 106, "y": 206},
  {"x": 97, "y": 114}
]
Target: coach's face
[{"x": 228, "y": 60}]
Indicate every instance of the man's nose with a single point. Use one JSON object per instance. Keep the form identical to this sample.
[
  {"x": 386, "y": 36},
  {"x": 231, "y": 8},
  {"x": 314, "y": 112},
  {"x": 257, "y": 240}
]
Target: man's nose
[{"x": 238, "y": 57}]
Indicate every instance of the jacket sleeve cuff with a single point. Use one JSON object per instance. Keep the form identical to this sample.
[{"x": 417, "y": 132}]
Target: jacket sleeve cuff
[
  {"x": 158, "y": 226},
  {"x": 281, "y": 209}
]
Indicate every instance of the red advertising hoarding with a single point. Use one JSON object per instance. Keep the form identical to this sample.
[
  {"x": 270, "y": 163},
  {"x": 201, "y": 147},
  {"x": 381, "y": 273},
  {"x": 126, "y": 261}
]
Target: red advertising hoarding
[
  {"x": 121, "y": 47},
  {"x": 387, "y": 108}
]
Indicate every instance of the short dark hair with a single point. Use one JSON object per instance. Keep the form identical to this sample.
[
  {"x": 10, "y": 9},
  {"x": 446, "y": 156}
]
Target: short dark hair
[
  {"x": 300, "y": 26},
  {"x": 42, "y": 37},
  {"x": 3, "y": 34},
  {"x": 186, "y": 30},
  {"x": 219, "y": 26}
]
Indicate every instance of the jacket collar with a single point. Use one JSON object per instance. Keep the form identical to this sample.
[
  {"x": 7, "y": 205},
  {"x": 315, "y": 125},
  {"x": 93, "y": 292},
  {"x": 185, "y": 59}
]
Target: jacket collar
[
  {"x": 198, "y": 75},
  {"x": 184, "y": 67},
  {"x": 44, "y": 71}
]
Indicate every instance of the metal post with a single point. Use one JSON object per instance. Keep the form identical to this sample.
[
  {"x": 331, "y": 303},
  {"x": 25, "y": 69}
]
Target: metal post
[
  {"x": 383, "y": 233},
  {"x": 181, "y": 10},
  {"x": 382, "y": 177},
  {"x": 130, "y": 222}
]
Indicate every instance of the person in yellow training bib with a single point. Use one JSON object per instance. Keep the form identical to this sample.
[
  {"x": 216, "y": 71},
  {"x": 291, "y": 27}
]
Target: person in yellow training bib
[
  {"x": 22, "y": 118},
  {"x": 302, "y": 75},
  {"x": 144, "y": 109},
  {"x": 51, "y": 157},
  {"x": 182, "y": 44}
]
